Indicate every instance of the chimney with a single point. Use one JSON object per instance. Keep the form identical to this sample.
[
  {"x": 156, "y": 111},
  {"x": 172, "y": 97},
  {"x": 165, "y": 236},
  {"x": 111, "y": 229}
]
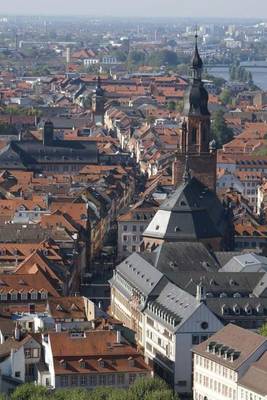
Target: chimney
[
  {"x": 201, "y": 293},
  {"x": 17, "y": 333},
  {"x": 118, "y": 341}
]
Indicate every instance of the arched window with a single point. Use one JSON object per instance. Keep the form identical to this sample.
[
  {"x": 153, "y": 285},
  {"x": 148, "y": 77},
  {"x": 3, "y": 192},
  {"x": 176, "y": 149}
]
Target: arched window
[{"x": 194, "y": 135}]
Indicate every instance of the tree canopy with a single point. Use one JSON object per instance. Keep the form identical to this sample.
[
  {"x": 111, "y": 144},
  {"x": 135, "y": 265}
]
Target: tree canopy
[
  {"x": 141, "y": 389},
  {"x": 220, "y": 131}
]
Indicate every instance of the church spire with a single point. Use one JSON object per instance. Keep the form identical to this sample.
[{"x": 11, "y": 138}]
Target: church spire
[{"x": 197, "y": 63}]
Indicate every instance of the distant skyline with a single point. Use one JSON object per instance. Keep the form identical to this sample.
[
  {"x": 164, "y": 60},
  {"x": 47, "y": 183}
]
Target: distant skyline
[{"x": 139, "y": 8}]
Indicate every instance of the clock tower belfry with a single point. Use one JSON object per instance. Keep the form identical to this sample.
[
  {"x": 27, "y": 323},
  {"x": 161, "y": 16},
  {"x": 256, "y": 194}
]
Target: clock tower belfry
[
  {"x": 98, "y": 103},
  {"x": 196, "y": 143}
]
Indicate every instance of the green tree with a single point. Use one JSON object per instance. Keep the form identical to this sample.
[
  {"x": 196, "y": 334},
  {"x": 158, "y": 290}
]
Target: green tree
[
  {"x": 120, "y": 55},
  {"x": 166, "y": 394},
  {"x": 220, "y": 131},
  {"x": 263, "y": 330},
  {"x": 163, "y": 57},
  {"x": 226, "y": 97},
  {"x": 171, "y": 106},
  {"x": 29, "y": 391},
  {"x": 144, "y": 387},
  {"x": 136, "y": 57}
]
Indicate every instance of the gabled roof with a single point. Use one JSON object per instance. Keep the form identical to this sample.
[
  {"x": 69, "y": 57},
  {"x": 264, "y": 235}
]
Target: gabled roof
[
  {"x": 244, "y": 342},
  {"x": 72, "y": 307}
]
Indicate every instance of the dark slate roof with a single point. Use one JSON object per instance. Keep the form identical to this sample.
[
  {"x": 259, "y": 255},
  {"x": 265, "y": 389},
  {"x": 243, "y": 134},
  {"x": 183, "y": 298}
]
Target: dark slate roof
[
  {"x": 183, "y": 257},
  {"x": 21, "y": 154},
  {"x": 248, "y": 308},
  {"x": 192, "y": 212},
  {"x": 139, "y": 273},
  {"x": 174, "y": 301},
  {"x": 219, "y": 283}
]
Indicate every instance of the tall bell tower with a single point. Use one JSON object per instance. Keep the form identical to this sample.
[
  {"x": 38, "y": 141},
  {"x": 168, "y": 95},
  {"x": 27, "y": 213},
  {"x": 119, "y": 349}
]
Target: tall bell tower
[
  {"x": 196, "y": 143},
  {"x": 98, "y": 103}
]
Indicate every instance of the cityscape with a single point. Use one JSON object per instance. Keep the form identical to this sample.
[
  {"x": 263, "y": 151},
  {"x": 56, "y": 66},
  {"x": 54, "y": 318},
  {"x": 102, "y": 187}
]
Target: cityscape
[{"x": 133, "y": 201}]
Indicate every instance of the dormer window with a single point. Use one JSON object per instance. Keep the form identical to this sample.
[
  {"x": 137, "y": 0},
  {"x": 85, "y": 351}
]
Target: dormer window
[
  {"x": 82, "y": 363},
  {"x": 237, "y": 295},
  {"x": 131, "y": 362},
  {"x": 259, "y": 309},
  {"x": 74, "y": 307},
  {"x": 44, "y": 295},
  {"x": 34, "y": 295},
  {"x": 224, "y": 309},
  {"x": 3, "y": 297},
  {"x": 63, "y": 363},
  {"x": 24, "y": 296},
  {"x": 236, "y": 309},
  {"x": 248, "y": 309},
  {"x": 101, "y": 363},
  {"x": 14, "y": 296}
]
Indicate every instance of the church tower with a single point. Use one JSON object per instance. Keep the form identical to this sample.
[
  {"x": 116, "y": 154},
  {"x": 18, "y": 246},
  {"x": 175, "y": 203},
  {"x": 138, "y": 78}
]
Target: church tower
[
  {"x": 196, "y": 143},
  {"x": 98, "y": 103}
]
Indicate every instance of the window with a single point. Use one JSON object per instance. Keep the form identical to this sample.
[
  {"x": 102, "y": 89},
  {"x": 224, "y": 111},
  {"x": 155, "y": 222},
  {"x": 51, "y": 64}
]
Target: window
[
  {"x": 83, "y": 380},
  {"x": 133, "y": 248},
  {"x": 24, "y": 296},
  {"x": 74, "y": 380},
  {"x": 43, "y": 295},
  {"x": 27, "y": 353},
  {"x": 204, "y": 325},
  {"x": 125, "y": 228},
  {"x": 159, "y": 341},
  {"x": 92, "y": 380},
  {"x": 4, "y": 297},
  {"x": 181, "y": 383},
  {"x": 102, "y": 379},
  {"x": 134, "y": 238},
  {"x": 195, "y": 339},
  {"x": 141, "y": 228},
  {"x": 121, "y": 379},
  {"x": 125, "y": 237},
  {"x": 64, "y": 381},
  {"x": 194, "y": 135},
  {"x": 34, "y": 295},
  {"x": 17, "y": 374},
  {"x": 14, "y": 296},
  {"x": 150, "y": 321},
  {"x": 35, "y": 353},
  {"x": 111, "y": 379},
  {"x": 132, "y": 378},
  {"x": 134, "y": 228},
  {"x": 149, "y": 347},
  {"x": 124, "y": 248}
]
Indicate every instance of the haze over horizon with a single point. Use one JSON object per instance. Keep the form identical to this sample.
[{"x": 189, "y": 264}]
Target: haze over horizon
[{"x": 140, "y": 8}]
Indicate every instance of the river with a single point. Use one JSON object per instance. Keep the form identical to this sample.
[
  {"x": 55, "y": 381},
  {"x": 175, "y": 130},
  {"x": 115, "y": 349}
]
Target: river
[{"x": 259, "y": 75}]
